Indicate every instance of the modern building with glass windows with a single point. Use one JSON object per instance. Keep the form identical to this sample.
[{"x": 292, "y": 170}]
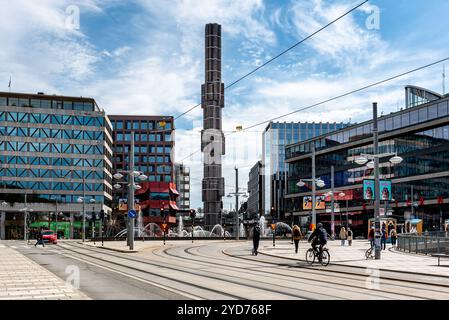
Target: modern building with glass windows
[
  {"x": 254, "y": 205},
  {"x": 275, "y": 137},
  {"x": 53, "y": 149},
  {"x": 420, "y": 183},
  {"x": 153, "y": 147},
  {"x": 182, "y": 181}
]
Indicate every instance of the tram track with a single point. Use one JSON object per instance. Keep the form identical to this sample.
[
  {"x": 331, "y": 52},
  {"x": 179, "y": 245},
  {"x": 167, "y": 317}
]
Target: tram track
[
  {"x": 167, "y": 253},
  {"x": 158, "y": 275},
  {"x": 361, "y": 277},
  {"x": 148, "y": 262}
]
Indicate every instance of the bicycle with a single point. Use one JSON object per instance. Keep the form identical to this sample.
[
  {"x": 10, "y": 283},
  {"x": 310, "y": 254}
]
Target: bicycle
[{"x": 323, "y": 257}]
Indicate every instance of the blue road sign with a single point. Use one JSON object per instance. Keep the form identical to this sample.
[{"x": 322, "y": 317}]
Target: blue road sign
[{"x": 132, "y": 214}]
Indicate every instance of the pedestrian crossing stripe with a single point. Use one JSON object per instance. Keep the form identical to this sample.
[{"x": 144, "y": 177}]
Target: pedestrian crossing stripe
[{"x": 14, "y": 247}]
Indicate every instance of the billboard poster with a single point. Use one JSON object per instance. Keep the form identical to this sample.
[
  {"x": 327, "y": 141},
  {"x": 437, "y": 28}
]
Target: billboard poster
[
  {"x": 320, "y": 203},
  {"x": 123, "y": 205},
  {"x": 369, "y": 190},
  {"x": 336, "y": 207},
  {"x": 385, "y": 190},
  {"x": 307, "y": 203}
]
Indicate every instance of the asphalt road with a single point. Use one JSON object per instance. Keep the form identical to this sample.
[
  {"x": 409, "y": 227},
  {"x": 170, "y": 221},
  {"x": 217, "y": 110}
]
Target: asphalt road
[{"x": 215, "y": 270}]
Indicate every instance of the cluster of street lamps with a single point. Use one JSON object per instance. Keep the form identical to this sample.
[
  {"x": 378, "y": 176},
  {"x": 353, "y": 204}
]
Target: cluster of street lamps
[{"x": 132, "y": 186}]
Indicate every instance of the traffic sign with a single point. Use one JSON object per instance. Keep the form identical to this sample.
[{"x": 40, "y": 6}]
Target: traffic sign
[
  {"x": 132, "y": 214},
  {"x": 164, "y": 226},
  {"x": 273, "y": 226}
]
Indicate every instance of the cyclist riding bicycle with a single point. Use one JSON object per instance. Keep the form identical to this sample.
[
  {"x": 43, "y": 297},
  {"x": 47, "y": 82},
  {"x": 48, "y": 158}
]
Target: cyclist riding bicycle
[{"x": 319, "y": 237}]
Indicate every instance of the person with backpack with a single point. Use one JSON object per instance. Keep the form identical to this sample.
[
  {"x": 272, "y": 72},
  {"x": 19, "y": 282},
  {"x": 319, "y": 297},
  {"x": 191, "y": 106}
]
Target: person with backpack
[
  {"x": 318, "y": 238},
  {"x": 256, "y": 237},
  {"x": 296, "y": 237}
]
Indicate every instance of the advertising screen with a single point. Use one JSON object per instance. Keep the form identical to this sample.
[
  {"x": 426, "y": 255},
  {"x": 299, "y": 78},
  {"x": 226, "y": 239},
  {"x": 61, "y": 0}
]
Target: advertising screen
[
  {"x": 320, "y": 203},
  {"x": 369, "y": 190}
]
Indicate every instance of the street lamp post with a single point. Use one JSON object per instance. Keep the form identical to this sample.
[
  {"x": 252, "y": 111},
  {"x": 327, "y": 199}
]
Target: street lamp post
[
  {"x": 236, "y": 194},
  {"x": 332, "y": 203},
  {"x": 313, "y": 186},
  {"x": 132, "y": 174},
  {"x": 363, "y": 159},
  {"x": 83, "y": 200}
]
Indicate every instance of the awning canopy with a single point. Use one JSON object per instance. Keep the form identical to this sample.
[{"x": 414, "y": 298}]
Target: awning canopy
[
  {"x": 172, "y": 190},
  {"x": 173, "y": 206}
]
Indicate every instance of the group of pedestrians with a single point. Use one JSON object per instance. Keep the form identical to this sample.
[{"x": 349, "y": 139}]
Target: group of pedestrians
[
  {"x": 391, "y": 232},
  {"x": 318, "y": 237},
  {"x": 346, "y": 235}
]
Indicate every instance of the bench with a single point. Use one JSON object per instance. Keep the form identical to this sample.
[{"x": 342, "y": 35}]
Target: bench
[{"x": 439, "y": 256}]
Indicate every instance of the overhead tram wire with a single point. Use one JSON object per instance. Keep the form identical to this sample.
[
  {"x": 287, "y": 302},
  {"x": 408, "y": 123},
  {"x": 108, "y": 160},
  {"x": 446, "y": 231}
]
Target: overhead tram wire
[
  {"x": 278, "y": 55},
  {"x": 334, "y": 98},
  {"x": 347, "y": 93}
]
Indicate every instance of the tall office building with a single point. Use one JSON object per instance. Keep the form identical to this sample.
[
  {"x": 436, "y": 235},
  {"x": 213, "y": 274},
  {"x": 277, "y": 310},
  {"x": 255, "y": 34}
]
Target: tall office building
[
  {"x": 153, "y": 147},
  {"x": 275, "y": 137},
  {"x": 182, "y": 181},
  {"x": 255, "y": 191},
  {"x": 212, "y": 138},
  {"x": 53, "y": 149}
]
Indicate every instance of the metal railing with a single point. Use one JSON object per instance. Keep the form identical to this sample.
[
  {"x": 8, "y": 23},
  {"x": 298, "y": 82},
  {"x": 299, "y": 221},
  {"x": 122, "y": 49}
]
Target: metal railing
[{"x": 425, "y": 243}]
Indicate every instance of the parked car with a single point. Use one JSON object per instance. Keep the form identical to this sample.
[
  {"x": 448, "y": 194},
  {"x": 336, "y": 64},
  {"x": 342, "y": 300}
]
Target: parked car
[{"x": 49, "y": 236}]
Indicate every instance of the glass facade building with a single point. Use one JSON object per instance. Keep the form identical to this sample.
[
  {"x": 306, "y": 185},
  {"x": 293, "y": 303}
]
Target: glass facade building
[
  {"x": 53, "y": 149},
  {"x": 153, "y": 147},
  {"x": 275, "y": 137},
  {"x": 419, "y": 134}
]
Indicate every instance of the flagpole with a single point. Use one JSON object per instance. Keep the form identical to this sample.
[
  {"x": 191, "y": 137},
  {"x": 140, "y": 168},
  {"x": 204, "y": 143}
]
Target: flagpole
[{"x": 9, "y": 85}]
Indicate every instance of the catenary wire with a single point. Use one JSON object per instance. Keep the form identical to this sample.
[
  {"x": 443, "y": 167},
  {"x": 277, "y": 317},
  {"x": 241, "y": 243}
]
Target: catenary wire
[{"x": 332, "y": 99}]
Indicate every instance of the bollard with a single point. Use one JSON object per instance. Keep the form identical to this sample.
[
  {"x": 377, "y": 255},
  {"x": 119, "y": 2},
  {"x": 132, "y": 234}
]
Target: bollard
[{"x": 425, "y": 245}]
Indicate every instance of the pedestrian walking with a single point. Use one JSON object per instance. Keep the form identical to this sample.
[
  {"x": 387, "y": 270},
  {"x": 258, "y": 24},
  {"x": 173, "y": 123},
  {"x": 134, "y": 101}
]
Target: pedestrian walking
[
  {"x": 256, "y": 237},
  {"x": 40, "y": 238},
  {"x": 393, "y": 236},
  {"x": 296, "y": 237},
  {"x": 350, "y": 235},
  {"x": 343, "y": 235},
  {"x": 384, "y": 237},
  {"x": 371, "y": 236}
]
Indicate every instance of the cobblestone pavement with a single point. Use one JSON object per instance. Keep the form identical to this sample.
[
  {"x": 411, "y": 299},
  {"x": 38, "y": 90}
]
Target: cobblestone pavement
[{"x": 21, "y": 278}]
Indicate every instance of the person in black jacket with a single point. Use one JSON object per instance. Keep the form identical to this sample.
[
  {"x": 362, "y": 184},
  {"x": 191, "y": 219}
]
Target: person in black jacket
[
  {"x": 319, "y": 237},
  {"x": 256, "y": 237},
  {"x": 40, "y": 238}
]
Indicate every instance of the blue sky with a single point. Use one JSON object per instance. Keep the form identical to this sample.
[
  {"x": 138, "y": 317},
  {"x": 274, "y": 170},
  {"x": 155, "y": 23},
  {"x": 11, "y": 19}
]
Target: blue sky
[{"x": 146, "y": 57}]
